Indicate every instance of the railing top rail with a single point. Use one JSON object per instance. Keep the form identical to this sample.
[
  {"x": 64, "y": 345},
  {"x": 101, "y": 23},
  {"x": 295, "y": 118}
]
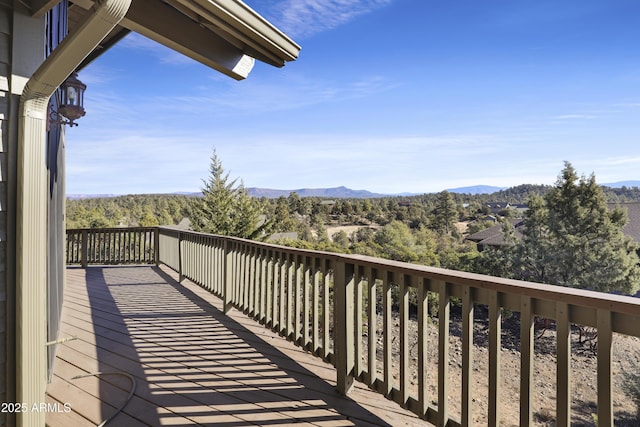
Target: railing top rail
[
  {"x": 108, "y": 229},
  {"x": 582, "y": 297},
  {"x": 280, "y": 248}
]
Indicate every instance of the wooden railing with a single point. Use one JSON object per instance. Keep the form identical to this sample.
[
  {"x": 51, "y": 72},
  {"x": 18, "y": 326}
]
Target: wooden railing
[
  {"x": 367, "y": 316},
  {"x": 112, "y": 246}
]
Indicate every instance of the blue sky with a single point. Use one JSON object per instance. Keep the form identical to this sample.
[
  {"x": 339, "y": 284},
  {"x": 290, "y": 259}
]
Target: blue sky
[{"x": 387, "y": 95}]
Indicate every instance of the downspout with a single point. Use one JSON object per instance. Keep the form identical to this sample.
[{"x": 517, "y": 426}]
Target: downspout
[{"x": 32, "y": 205}]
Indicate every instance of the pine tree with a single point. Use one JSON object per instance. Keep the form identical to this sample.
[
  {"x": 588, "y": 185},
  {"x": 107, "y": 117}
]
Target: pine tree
[
  {"x": 571, "y": 238},
  {"x": 446, "y": 212},
  {"x": 226, "y": 208}
]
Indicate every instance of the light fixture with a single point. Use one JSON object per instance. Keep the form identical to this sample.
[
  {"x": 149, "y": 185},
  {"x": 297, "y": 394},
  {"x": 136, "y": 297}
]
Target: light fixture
[{"x": 71, "y": 105}]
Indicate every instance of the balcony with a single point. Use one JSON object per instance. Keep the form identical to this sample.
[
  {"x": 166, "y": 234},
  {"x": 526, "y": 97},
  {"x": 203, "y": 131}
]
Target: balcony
[{"x": 236, "y": 332}]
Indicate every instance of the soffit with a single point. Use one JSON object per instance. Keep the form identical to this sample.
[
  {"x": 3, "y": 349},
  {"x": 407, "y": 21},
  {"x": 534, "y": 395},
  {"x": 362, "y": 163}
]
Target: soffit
[{"x": 217, "y": 33}]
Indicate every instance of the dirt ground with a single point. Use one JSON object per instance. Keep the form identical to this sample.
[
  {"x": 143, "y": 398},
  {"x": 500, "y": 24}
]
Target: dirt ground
[
  {"x": 346, "y": 228},
  {"x": 626, "y": 358}
]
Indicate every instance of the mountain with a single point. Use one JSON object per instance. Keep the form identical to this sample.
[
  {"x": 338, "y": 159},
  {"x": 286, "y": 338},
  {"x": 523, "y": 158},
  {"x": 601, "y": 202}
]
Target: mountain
[
  {"x": 620, "y": 184},
  {"x": 334, "y": 193},
  {"x": 347, "y": 193},
  {"x": 476, "y": 189}
]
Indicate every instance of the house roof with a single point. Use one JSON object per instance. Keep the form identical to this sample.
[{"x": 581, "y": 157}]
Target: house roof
[
  {"x": 484, "y": 234},
  {"x": 223, "y": 34},
  {"x": 632, "y": 228},
  {"x": 492, "y": 236}
]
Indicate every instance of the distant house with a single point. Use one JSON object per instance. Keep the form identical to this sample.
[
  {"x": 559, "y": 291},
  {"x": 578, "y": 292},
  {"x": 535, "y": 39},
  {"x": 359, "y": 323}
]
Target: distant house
[
  {"x": 492, "y": 236},
  {"x": 491, "y": 218},
  {"x": 496, "y": 208},
  {"x": 632, "y": 229}
]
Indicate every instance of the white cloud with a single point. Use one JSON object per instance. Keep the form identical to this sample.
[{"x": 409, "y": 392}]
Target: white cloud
[
  {"x": 575, "y": 117},
  {"x": 303, "y": 18},
  {"x": 261, "y": 96}
]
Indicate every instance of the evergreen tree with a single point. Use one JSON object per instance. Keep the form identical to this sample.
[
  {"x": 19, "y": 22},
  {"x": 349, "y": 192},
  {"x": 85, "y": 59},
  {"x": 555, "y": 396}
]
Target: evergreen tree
[
  {"x": 226, "y": 208},
  {"x": 571, "y": 238},
  {"x": 446, "y": 212}
]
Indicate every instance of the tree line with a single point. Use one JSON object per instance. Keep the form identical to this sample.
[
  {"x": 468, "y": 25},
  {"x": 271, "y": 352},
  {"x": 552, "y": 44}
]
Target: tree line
[
  {"x": 127, "y": 211},
  {"x": 568, "y": 231}
]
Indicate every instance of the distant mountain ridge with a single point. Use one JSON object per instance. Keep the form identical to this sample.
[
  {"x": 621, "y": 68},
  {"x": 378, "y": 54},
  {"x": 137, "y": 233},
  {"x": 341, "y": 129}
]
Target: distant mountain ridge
[
  {"x": 621, "y": 184},
  {"x": 347, "y": 193},
  {"x": 476, "y": 189},
  {"x": 335, "y": 192}
]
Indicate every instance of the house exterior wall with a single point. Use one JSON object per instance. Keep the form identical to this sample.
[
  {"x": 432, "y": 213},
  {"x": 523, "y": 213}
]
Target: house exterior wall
[
  {"x": 5, "y": 95},
  {"x": 21, "y": 52}
]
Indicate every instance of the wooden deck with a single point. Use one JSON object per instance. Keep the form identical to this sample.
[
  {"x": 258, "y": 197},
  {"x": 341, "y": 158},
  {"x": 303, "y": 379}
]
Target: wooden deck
[{"x": 192, "y": 364}]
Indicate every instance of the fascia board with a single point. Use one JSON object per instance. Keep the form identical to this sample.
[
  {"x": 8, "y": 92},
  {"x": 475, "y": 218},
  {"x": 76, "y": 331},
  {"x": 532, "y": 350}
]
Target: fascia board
[
  {"x": 252, "y": 34},
  {"x": 242, "y": 22}
]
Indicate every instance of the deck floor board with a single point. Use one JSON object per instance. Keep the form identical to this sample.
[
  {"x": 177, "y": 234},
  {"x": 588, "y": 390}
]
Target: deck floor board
[{"x": 192, "y": 364}]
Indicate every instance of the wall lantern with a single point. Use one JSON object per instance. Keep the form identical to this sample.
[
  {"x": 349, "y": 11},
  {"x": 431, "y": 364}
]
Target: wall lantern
[{"x": 71, "y": 106}]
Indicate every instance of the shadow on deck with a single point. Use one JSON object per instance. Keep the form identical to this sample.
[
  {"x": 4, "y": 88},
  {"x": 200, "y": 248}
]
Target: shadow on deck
[{"x": 193, "y": 365}]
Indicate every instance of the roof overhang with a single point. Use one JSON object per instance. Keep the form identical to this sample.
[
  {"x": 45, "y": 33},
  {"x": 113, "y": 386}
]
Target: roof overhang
[{"x": 225, "y": 35}]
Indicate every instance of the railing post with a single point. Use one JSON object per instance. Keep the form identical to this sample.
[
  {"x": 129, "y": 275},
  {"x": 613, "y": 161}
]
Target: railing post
[
  {"x": 605, "y": 379},
  {"x": 343, "y": 324},
  {"x": 180, "y": 275},
  {"x": 227, "y": 286},
  {"x": 156, "y": 246},
  {"x": 444, "y": 315},
  {"x": 84, "y": 249}
]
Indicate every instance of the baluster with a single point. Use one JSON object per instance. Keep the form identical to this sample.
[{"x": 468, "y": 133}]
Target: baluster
[
  {"x": 274, "y": 288},
  {"x": 605, "y": 348},
  {"x": 423, "y": 322},
  {"x": 268, "y": 307},
  {"x": 467, "y": 354},
  {"x": 358, "y": 311},
  {"x": 306, "y": 340},
  {"x": 315, "y": 305},
  {"x": 526, "y": 361},
  {"x": 297, "y": 300},
  {"x": 495, "y": 328},
  {"x": 387, "y": 334},
  {"x": 443, "y": 354},
  {"x": 282, "y": 302},
  {"x": 403, "y": 295},
  {"x": 563, "y": 365},
  {"x": 372, "y": 326},
  {"x": 325, "y": 309},
  {"x": 264, "y": 285}
]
